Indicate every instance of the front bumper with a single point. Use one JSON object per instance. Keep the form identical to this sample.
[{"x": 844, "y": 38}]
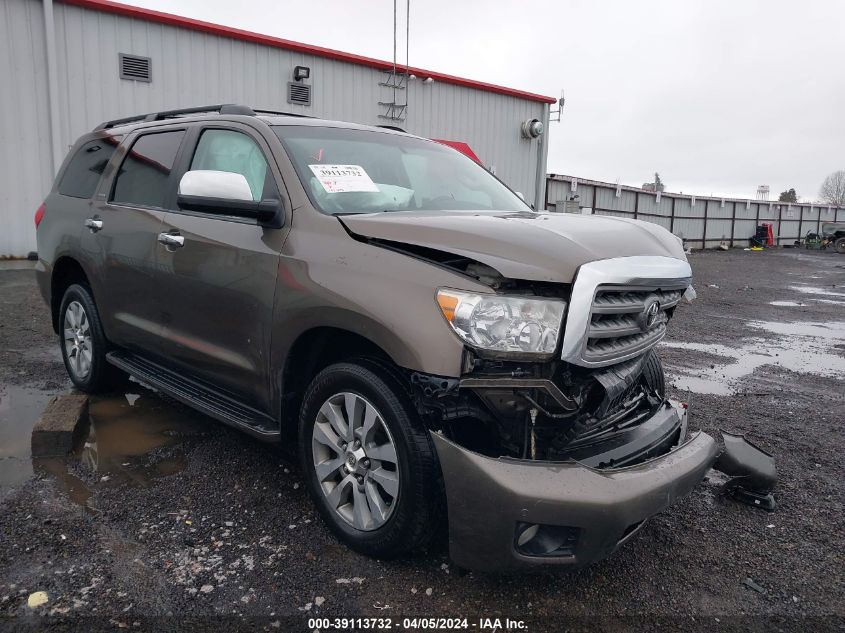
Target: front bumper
[{"x": 491, "y": 501}]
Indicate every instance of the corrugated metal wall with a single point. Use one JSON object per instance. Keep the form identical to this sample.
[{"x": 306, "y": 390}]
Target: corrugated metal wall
[
  {"x": 194, "y": 68},
  {"x": 704, "y": 224},
  {"x": 26, "y": 170}
]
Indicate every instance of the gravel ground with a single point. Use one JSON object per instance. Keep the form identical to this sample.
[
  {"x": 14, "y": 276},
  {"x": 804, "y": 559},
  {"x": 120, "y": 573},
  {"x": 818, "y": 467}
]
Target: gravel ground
[{"x": 213, "y": 529}]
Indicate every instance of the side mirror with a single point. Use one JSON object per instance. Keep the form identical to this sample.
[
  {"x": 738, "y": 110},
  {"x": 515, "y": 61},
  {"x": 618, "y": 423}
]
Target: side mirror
[{"x": 227, "y": 193}]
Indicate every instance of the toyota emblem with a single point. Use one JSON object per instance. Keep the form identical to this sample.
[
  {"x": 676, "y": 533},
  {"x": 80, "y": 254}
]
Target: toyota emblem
[{"x": 649, "y": 315}]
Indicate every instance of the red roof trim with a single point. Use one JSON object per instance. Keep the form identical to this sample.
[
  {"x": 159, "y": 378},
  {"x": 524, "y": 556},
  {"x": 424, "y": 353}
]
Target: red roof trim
[{"x": 277, "y": 42}]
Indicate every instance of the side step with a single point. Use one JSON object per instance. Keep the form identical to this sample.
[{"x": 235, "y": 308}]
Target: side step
[{"x": 198, "y": 396}]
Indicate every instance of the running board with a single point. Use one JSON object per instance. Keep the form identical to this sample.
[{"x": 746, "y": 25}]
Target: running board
[{"x": 197, "y": 395}]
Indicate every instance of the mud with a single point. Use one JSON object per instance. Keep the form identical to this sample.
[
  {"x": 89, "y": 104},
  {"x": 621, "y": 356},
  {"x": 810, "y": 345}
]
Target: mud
[{"x": 165, "y": 515}]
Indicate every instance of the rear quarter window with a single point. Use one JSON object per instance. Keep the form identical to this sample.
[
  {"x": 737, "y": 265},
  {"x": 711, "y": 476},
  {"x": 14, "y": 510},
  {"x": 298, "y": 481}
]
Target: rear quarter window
[{"x": 86, "y": 167}]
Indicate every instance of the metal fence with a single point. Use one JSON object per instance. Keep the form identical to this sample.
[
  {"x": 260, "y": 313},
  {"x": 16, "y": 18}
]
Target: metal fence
[{"x": 703, "y": 221}]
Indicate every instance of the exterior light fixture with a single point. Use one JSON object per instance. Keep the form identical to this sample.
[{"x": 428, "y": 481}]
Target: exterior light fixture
[{"x": 301, "y": 72}]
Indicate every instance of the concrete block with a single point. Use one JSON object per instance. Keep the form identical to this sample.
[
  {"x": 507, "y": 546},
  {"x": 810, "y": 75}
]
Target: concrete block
[{"x": 63, "y": 421}]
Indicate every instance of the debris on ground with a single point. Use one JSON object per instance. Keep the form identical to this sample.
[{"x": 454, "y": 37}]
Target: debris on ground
[{"x": 36, "y": 599}]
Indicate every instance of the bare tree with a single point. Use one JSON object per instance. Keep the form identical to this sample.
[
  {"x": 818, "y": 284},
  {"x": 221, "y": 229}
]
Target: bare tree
[{"x": 833, "y": 189}]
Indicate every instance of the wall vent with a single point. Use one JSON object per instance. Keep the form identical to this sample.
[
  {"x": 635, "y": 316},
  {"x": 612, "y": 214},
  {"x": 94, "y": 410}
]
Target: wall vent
[
  {"x": 135, "y": 68},
  {"x": 299, "y": 94}
]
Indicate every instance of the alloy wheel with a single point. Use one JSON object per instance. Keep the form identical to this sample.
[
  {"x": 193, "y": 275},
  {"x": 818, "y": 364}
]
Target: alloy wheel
[
  {"x": 355, "y": 460},
  {"x": 78, "y": 343}
]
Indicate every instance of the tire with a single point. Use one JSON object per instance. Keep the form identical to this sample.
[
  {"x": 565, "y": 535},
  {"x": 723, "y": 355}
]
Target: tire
[
  {"x": 383, "y": 526},
  {"x": 839, "y": 245},
  {"x": 83, "y": 343},
  {"x": 653, "y": 374}
]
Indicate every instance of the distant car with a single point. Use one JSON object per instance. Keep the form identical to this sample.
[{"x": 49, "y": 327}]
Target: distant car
[{"x": 386, "y": 306}]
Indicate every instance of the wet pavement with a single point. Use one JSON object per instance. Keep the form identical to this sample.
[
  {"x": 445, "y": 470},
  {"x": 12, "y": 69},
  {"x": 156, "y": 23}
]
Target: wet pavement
[{"x": 163, "y": 513}]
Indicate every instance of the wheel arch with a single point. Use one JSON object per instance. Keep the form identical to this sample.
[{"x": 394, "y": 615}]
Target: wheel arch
[
  {"x": 66, "y": 272},
  {"x": 311, "y": 352}
]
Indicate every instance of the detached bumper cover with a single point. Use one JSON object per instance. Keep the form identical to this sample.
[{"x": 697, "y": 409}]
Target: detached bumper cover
[{"x": 488, "y": 499}]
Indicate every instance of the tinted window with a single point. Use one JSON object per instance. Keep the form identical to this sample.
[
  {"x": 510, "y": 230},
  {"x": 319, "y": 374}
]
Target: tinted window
[
  {"x": 361, "y": 171},
  {"x": 227, "y": 150},
  {"x": 145, "y": 173},
  {"x": 85, "y": 168}
]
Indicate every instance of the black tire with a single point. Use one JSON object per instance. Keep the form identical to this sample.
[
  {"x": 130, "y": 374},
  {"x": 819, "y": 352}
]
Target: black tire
[
  {"x": 653, "y": 374},
  {"x": 416, "y": 516},
  {"x": 101, "y": 376},
  {"x": 839, "y": 245}
]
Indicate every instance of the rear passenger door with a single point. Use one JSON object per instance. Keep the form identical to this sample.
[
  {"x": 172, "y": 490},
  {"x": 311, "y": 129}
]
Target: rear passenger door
[
  {"x": 123, "y": 232},
  {"x": 217, "y": 287}
]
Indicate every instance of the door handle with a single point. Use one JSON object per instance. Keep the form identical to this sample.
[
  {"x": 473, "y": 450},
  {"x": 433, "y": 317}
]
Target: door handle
[
  {"x": 93, "y": 224},
  {"x": 171, "y": 240}
]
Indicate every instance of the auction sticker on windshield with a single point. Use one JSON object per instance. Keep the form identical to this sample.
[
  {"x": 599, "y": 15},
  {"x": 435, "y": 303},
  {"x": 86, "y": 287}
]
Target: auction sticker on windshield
[{"x": 343, "y": 178}]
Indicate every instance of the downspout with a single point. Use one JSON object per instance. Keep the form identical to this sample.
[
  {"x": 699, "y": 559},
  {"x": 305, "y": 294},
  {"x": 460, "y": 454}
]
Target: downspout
[
  {"x": 542, "y": 156},
  {"x": 52, "y": 86}
]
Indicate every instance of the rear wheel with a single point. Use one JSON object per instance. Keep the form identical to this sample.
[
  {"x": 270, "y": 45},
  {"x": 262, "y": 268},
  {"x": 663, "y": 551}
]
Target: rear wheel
[
  {"x": 840, "y": 245},
  {"x": 369, "y": 462},
  {"x": 83, "y": 343}
]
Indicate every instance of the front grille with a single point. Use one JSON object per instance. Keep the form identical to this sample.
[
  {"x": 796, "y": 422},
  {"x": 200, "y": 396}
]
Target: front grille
[{"x": 619, "y": 327}]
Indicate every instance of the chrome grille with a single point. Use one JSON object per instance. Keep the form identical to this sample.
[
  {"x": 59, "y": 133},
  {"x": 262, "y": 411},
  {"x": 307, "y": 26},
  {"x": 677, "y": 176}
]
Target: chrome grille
[{"x": 619, "y": 327}]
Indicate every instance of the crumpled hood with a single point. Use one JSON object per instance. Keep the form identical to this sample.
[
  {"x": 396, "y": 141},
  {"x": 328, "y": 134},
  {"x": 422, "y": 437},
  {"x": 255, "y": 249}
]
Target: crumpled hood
[{"x": 535, "y": 246}]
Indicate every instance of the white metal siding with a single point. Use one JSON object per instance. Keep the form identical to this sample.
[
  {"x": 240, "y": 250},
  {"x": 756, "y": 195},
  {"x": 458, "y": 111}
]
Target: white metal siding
[
  {"x": 26, "y": 169},
  {"x": 192, "y": 68}
]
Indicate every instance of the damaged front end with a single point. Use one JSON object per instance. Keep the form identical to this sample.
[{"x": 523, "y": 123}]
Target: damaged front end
[
  {"x": 559, "y": 460},
  {"x": 547, "y": 464}
]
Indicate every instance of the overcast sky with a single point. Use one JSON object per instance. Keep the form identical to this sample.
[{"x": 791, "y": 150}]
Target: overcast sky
[{"x": 718, "y": 96}]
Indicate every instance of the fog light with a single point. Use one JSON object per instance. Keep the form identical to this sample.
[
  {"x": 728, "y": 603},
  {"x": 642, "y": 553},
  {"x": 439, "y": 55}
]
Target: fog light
[{"x": 533, "y": 539}]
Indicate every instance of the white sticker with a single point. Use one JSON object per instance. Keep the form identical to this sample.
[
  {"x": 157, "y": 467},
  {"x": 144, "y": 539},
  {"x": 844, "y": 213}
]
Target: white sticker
[{"x": 343, "y": 178}]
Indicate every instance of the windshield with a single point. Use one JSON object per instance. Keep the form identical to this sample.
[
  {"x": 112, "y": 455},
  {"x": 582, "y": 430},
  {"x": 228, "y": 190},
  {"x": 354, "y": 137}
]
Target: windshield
[{"x": 362, "y": 171}]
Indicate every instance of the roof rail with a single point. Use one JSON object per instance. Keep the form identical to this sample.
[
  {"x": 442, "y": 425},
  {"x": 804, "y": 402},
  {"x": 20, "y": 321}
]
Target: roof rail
[
  {"x": 224, "y": 108},
  {"x": 395, "y": 128},
  {"x": 296, "y": 114}
]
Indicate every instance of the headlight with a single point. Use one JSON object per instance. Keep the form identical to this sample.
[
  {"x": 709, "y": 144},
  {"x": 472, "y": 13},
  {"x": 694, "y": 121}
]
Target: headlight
[{"x": 503, "y": 324}]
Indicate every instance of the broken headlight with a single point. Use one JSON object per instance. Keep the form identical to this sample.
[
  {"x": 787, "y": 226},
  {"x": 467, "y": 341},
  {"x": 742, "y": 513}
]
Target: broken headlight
[{"x": 498, "y": 323}]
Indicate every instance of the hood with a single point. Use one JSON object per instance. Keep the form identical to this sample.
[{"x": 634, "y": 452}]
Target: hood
[{"x": 531, "y": 246}]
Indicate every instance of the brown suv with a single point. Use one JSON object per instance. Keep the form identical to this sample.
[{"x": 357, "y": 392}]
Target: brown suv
[{"x": 431, "y": 346}]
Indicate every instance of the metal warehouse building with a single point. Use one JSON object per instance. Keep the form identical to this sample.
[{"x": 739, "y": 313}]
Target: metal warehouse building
[{"x": 69, "y": 65}]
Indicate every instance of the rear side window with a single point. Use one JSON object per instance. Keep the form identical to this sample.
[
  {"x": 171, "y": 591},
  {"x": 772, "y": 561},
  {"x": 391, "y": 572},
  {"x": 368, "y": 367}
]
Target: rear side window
[
  {"x": 85, "y": 168},
  {"x": 144, "y": 176}
]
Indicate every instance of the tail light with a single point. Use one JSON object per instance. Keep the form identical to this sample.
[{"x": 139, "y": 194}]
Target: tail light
[{"x": 39, "y": 214}]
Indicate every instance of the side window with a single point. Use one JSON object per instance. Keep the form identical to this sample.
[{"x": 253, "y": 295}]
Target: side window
[
  {"x": 227, "y": 150},
  {"x": 85, "y": 168},
  {"x": 144, "y": 175}
]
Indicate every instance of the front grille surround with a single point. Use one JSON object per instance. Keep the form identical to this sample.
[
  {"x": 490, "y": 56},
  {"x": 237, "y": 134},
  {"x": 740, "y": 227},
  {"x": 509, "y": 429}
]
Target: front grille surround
[{"x": 609, "y": 296}]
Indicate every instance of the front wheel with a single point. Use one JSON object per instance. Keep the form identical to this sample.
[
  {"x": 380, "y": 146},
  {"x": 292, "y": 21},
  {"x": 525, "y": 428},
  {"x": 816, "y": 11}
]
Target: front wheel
[
  {"x": 840, "y": 245},
  {"x": 368, "y": 460}
]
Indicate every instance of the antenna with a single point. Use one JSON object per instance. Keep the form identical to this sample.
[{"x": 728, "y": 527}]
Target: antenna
[{"x": 556, "y": 113}]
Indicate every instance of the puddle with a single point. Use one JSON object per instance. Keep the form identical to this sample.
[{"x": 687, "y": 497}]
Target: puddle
[
  {"x": 20, "y": 409},
  {"x": 800, "y": 347},
  {"x": 122, "y": 436},
  {"x": 813, "y": 290},
  {"x": 127, "y": 442}
]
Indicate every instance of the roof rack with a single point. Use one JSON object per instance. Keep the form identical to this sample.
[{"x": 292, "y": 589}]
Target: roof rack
[{"x": 223, "y": 108}]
